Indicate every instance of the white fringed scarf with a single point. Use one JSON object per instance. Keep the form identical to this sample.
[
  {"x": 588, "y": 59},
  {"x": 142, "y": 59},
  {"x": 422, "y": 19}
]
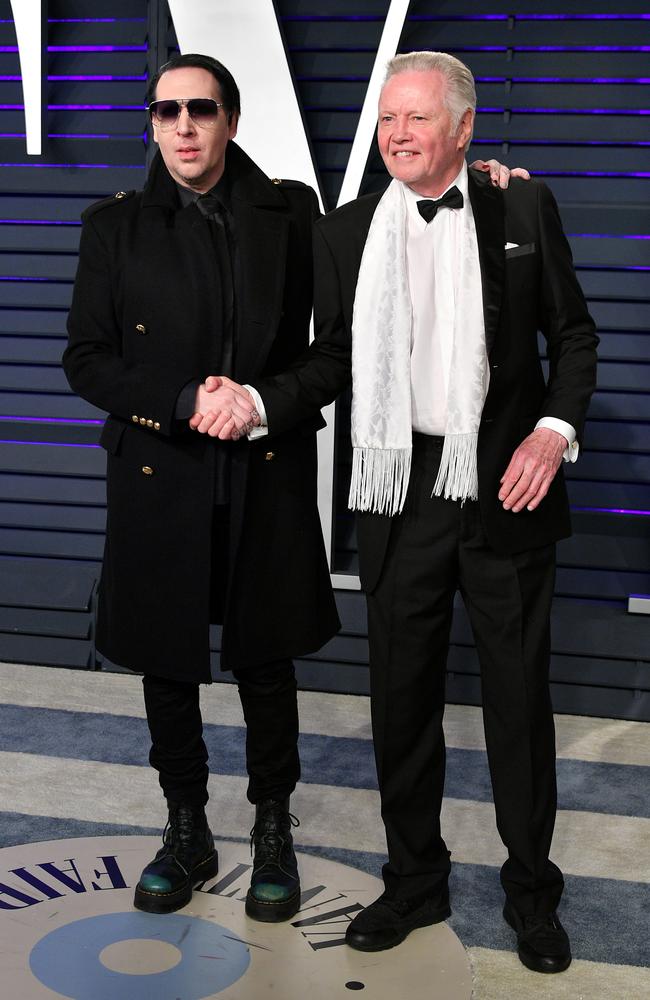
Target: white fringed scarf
[{"x": 381, "y": 369}]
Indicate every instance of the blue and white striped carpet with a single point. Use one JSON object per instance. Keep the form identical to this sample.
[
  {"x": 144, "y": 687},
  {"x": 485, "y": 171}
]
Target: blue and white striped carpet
[{"x": 73, "y": 762}]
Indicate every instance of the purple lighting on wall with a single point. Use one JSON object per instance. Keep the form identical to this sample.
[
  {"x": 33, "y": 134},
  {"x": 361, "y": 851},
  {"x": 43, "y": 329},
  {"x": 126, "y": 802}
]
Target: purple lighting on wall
[
  {"x": 96, "y": 77},
  {"x": 38, "y": 222},
  {"x": 529, "y": 17},
  {"x": 612, "y": 510},
  {"x": 53, "y": 420},
  {"x": 561, "y": 79},
  {"x": 11, "y": 277},
  {"x": 77, "y": 166},
  {"x": 94, "y": 20},
  {"x": 551, "y": 48},
  {"x": 572, "y": 143},
  {"x": 8, "y": 78},
  {"x": 592, "y": 173},
  {"x": 95, "y": 107},
  {"x": 609, "y": 267},
  {"x": 97, "y": 48},
  {"x": 50, "y": 444},
  {"x": 83, "y": 48},
  {"x": 617, "y": 112},
  {"x": 609, "y": 236}
]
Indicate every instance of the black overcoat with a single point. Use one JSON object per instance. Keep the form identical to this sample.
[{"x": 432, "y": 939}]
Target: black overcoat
[
  {"x": 139, "y": 330},
  {"x": 527, "y": 288}
]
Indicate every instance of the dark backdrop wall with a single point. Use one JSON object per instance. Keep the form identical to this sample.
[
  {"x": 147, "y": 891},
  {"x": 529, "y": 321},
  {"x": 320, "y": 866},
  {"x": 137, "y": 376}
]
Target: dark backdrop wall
[{"x": 564, "y": 94}]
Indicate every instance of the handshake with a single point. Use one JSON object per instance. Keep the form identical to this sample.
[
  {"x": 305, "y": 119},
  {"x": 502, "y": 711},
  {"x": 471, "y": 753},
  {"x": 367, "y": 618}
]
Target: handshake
[{"x": 224, "y": 409}]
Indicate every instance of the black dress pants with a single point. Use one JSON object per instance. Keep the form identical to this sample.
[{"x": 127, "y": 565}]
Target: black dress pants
[
  {"x": 178, "y": 751},
  {"x": 437, "y": 547}
]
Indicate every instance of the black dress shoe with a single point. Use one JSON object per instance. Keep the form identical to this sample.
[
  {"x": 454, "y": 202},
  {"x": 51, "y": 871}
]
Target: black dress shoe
[
  {"x": 542, "y": 942},
  {"x": 186, "y": 858},
  {"x": 275, "y": 885},
  {"x": 386, "y": 922}
]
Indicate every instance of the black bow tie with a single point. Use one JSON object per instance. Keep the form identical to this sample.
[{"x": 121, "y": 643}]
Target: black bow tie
[{"x": 450, "y": 199}]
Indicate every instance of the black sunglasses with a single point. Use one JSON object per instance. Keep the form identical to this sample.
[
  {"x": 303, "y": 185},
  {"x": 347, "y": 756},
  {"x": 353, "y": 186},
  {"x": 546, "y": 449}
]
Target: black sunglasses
[{"x": 202, "y": 110}]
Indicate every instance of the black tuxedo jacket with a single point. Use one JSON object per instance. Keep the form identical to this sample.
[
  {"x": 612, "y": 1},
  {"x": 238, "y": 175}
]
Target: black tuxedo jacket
[{"x": 527, "y": 288}]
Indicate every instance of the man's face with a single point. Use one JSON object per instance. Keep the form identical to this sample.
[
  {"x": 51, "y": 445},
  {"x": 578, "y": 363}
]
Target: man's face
[
  {"x": 194, "y": 156},
  {"x": 414, "y": 132}
]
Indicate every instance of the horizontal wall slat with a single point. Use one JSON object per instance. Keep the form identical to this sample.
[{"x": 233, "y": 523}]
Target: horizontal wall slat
[
  {"x": 25, "y": 178},
  {"x": 32, "y": 265},
  {"x": 43, "y": 350},
  {"x": 47, "y": 651},
  {"x": 55, "y": 239},
  {"x": 50, "y": 544},
  {"x": 56, "y": 517},
  {"x": 40, "y": 583},
  {"x": 33, "y": 322},
  {"x": 57, "y": 405},
  {"x": 24, "y": 621},
  {"x": 71, "y": 461},
  {"x": 52, "y": 489},
  {"x": 32, "y": 378}
]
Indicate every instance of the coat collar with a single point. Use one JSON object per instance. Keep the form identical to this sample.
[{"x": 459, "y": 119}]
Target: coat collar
[
  {"x": 487, "y": 206},
  {"x": 247, "y": 183},
  {"x": 261, "y": 224}
]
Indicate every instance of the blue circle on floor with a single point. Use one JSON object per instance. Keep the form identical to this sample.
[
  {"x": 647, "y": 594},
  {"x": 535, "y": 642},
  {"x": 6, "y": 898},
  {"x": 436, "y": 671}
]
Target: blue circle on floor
[{"x": 67, "y": 959}]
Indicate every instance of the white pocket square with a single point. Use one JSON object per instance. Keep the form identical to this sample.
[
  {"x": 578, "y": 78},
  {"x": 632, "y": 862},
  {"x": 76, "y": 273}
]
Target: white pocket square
[{"x": 509, "y": 246}]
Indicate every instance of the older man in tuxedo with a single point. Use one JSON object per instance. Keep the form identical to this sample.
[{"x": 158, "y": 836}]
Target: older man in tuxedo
[{"x": 432, "y": 295}]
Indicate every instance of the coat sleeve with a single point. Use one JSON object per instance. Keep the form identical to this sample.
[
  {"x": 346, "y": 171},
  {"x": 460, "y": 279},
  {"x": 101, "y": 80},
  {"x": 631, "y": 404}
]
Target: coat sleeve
[
  {"x": 94, "y": 360},
  {"x": 324, "y": 369},
  {"x": 565, "y": 323}
]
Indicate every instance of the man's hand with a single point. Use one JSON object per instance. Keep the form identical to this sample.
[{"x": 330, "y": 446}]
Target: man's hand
[
  {"x": 530, "y": 473},
  {"x": 500, "y": 174},
  {"x": 224, "y": 409}
]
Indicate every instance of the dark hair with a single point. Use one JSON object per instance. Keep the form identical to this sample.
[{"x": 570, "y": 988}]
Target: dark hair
[{"x": 223, "y": 76}]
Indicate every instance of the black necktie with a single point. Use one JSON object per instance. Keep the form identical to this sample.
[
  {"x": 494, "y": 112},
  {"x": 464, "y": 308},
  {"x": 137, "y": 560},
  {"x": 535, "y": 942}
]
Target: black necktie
[
  {"x": 450, "y": 199},
  {"x": 210, "y": 205}
]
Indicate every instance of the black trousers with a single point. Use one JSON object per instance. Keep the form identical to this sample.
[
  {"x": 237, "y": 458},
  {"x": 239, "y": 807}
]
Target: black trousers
[
  {"x": 268, "y": 696},
  {"x": 178, "y": 751},
  {"x": 436, "y": 548}
]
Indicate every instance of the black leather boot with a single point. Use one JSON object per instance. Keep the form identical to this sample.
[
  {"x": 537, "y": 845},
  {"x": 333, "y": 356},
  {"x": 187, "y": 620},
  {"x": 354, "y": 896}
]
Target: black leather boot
[
  {"x": 275, "y": 885},
  {"x": 187, "y": 857}
]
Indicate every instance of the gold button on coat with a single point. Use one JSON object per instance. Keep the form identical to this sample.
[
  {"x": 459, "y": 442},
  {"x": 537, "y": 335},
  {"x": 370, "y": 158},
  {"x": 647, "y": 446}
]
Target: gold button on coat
[
  {"x": 135, "y": 418},
  {"x": 143, "y": 421},
  {"x": 120, "y": 194},
  {"x": 156, "y": 425},
  {"x": 148, "y": 471},
  {"x": 141, "y": 328},
  {"x": 270, "y": 455},
  {"x": 149, "y": 423}
]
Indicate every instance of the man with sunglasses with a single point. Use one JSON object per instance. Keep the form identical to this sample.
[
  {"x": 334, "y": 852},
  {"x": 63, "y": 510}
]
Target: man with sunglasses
[{"x": 206, "y": 270}]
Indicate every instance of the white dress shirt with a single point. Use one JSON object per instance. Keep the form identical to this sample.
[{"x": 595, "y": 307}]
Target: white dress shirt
[{"x": 431, "y": 252}]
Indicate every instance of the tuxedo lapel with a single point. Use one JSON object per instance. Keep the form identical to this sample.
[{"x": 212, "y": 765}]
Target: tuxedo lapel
[{"x": 487, "y": 206}]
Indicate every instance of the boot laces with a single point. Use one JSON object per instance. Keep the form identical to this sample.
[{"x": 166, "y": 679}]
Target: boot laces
[
  {"x": 180, "y": 827},
  {"x": 269, "y": 834}
]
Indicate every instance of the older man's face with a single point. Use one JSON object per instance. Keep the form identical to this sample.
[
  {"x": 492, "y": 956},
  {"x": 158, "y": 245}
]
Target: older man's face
[
  {"x": 415, "y": 135},
  {"x": 194, "y": 156}
]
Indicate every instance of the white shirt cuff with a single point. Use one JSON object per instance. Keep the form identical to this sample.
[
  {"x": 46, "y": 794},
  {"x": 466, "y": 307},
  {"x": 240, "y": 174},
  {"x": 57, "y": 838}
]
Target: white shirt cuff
[
  {"x": 566, "y": 430},
  {"x": 262, "y": 430}
]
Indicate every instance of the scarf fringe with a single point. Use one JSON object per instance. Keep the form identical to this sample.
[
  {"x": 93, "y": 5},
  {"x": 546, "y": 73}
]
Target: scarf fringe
[
  {"x": 380, "y": 479},
  {"x": 457, "y": 477}
]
